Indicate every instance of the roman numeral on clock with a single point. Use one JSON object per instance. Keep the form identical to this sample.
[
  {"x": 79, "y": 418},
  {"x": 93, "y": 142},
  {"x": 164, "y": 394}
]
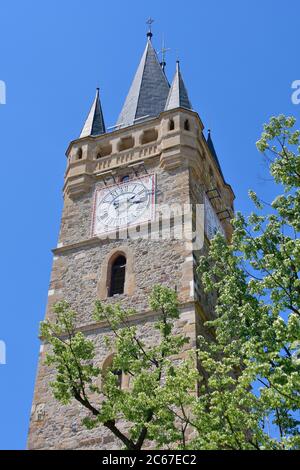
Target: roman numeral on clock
[
  {"x": 103, "y": 216},
  {"x": 122, "y": 205}
]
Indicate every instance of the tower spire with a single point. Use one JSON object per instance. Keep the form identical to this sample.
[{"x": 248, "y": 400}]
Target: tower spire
[
  {"x": 213, "y": 150},
  {"x": 148, "y": 92},
  {"x": 94, "y": 124},
  {"x": 178, "y": 96}
]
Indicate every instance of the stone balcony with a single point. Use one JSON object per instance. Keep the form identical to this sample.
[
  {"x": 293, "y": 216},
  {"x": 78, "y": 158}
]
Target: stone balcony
[{"x": 93, "y": 156}]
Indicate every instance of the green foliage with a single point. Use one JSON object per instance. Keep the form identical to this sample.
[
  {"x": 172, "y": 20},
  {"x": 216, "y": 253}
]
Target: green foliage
[
  {"x": 158, "y": 385},
  {"x": 71, "y": 355},
  {"x": 250, "y": 398}
]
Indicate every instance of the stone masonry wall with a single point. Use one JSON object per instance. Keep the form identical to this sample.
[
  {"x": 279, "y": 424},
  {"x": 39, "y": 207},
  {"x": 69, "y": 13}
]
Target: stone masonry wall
[
  {"x": 56, "y": 426},
  {"x": 79, "y": 273},
  {"x": 76, "y": 274}
]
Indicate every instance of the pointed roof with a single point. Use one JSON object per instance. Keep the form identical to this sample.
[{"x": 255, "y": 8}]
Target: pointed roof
[
  {"x": 213, "y": 151},
  {"x": 149, "y": 90},
  {"x": 178, "y": 97},
  {"x": 94, "y": 124}
]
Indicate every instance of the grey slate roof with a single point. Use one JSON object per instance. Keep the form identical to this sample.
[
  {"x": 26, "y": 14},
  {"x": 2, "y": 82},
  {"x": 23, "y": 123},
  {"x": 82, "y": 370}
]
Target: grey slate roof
[
  {"x": 149, "y": 90},
  {"x": 213, "y": 151},
  {"x": 178, "y": 97},
  {"x": 94, "y": 124}
]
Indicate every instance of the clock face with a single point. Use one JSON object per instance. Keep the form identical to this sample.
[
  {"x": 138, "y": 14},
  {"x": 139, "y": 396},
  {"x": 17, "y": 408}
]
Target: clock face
[
  {"x": 123, "y": 204},
  {"x": 212, "y": 222}
]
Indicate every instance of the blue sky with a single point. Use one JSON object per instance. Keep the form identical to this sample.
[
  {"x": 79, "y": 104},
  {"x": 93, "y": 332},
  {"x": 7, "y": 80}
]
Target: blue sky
[{"x": 238, "y": 59}]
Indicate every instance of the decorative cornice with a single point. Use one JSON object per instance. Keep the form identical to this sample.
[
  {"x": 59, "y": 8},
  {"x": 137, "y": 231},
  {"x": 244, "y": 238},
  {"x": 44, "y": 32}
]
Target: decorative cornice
[
  {"x": 87, "y": 243},
  {"x": 137, "y": 318}
]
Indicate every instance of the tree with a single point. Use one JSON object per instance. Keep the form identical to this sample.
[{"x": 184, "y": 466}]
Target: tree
[
  {"x": 250, "y": 391},
  {"x": 249, "y": 375},
  {"x": 159, "y": 387}
]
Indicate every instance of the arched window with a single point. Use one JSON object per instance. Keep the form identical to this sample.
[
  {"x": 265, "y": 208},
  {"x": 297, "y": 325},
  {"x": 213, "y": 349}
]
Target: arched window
[
  {"x": 79, "y": 154},
  {"x": 118, "y": 374},
  {"x": 108, "y": 366},
  {"x": 187, "y": 125},
  {"x": 124, "y": 179},
  {"x": 117, "y": 281},
  {"x": 171, "y": 125},
  {"x": 108, "y": 271}
]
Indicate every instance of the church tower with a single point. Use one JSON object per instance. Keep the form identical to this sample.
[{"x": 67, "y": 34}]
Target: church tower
[{"x": 112, "y": 243}]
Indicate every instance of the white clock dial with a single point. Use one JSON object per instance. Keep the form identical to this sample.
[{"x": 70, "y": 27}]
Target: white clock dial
[
  {"x": 212, "y": 222},
  {"x": 123, "y": 204}
]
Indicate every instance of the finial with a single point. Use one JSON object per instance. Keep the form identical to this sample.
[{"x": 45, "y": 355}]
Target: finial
[
  {"x": 149, "y": 22},
  {"x": 163, "y": 54}
]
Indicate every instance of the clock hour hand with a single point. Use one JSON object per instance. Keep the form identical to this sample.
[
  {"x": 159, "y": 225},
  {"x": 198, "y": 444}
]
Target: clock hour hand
[
  {"x": 139, "y": 201},
  {"x": 117, "y": 203}
]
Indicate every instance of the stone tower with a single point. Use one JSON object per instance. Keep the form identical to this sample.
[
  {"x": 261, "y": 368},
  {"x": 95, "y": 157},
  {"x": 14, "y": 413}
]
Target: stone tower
[{"x": 156, "y": 155}]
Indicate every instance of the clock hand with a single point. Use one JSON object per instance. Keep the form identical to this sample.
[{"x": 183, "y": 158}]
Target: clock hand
[
  {"x": 127, "y": 202},
  {"x": 117, "y": 203},
  {"x": 140, "y": 200}
]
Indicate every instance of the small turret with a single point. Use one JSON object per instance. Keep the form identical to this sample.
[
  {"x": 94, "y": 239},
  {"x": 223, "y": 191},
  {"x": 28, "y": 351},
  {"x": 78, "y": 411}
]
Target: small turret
[
  {"x": 94, "y": 124},
  {"x": 178, "y": 96}
]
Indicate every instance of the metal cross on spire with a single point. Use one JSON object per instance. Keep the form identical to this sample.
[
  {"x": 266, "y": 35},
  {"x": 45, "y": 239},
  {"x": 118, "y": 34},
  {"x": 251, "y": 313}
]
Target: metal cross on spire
[{"x": 149, "y": 22}]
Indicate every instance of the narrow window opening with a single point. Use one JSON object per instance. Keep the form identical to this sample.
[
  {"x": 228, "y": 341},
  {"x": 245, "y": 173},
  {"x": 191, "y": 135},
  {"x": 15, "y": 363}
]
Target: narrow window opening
[
  {"x": 171, "y": 125},
  {"x": 108, "y": 367},
  {"x": 118, "y": 374},
  {"x": 79, "y": 154},
  {"x": 124, "y": 178},
  {"x": 117, "y": 282},
  {"x": 187, "y": 125}
]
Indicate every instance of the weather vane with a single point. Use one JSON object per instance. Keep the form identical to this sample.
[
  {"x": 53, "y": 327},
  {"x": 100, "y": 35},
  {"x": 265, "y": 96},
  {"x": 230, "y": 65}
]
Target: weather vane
[
  {"x": 163, "y": 52},
  {"x": 149, "y": 22}
]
